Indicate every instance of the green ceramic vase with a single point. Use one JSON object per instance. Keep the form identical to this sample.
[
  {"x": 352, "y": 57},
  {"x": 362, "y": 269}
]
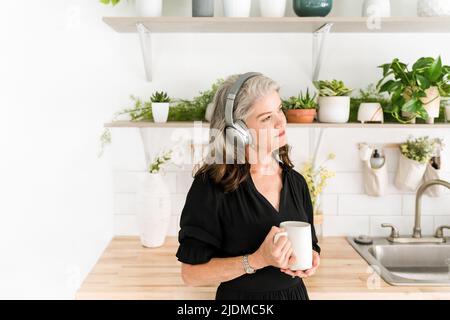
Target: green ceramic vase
[{"x": 312, "y": 8}]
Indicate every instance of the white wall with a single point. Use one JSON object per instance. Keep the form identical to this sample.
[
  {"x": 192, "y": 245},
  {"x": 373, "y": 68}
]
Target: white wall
[{"x": 64, "y": 72}]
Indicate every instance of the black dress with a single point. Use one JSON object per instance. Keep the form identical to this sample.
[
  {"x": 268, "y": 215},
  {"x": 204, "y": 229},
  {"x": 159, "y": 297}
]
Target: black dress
[{"x": 218, "y": 224}]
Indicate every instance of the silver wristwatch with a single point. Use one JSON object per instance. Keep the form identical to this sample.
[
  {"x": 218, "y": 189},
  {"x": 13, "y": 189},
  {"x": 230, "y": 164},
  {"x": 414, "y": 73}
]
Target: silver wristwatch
[{"x": 248, "y": 269}]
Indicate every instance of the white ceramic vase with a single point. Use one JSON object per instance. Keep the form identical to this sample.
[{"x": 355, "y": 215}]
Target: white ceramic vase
[
  {"x": 376, "y": 8},
  {"x": 334, "y": 109},
  {"x": 272, "y": 8},
  {"x": 432, "y": 103},
  {"x": 153, "y": 209},
  {"x": 160, "y": 111},
  {"x": 433, "y": 8},
  {"x": 149, "y": 8},
  {"x": 237, "y": 8},
  {"x": 370, "y": 112}
]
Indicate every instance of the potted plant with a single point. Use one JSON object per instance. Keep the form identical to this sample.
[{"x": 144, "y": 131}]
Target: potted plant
[
  {"x": 312, "y": 8},
  {"x": 160, "y": 106},
  {"x": 316, "y": 178},
  {"x": 415, "y": 93},
  {"x": 334, "y": 101},
  {"x": 415, "y": 154},
  {"x": 370, "y": 105},
  {"x": 144, "y": 8},
  {"x": 153, "y": 203},
  {"x": 272, "y": 8},
  {"x": 301, "y": 109},
  {"x": 237, "y": 8}
]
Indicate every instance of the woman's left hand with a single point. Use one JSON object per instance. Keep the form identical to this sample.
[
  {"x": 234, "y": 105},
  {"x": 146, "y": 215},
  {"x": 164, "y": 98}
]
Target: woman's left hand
[{"x": 306, "y": 273}]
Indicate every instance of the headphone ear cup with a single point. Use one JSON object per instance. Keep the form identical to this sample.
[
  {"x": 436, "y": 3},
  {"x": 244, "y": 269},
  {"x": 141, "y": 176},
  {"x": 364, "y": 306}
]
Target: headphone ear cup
[{"x": 244, "y": 132}]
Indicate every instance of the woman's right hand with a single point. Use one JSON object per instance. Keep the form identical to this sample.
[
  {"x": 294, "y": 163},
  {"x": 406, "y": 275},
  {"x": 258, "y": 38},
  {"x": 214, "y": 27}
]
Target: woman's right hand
[{"x": 278, "y": 254}]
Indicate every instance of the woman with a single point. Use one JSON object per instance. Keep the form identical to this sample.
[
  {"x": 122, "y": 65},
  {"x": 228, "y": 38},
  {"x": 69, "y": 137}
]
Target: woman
[{"x": 233, "y": 211}]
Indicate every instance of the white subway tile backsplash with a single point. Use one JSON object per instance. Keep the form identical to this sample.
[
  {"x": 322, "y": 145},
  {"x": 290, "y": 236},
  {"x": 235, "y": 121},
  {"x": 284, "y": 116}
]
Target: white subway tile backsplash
[
  {"x": 442, "y": 221},
  {"x": 404, "y": 224},
  {"x": 366, "y": 206},
  {"x": 430, "y": 206},
  {"x": 329, "y": 204},
  {"x": 128, "y": 181},
  {"x": 126, "y": 225},
  {"x": 345, "y": 225},
  {"x": 178, "y": 201},
  {"x": 184, "y": 181},
  {"x": 347, "y": 209},
  {"x": 125, "y": 204}
]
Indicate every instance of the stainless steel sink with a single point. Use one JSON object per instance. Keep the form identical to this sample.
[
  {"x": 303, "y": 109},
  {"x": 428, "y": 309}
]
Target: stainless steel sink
[{"x": 408, "y": 264}]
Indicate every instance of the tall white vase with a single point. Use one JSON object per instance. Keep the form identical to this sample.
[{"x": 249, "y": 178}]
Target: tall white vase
[
  {"x": 149, "y": 8},
  {"x": 237, "y": 8},
  {"x": 153, "y": 209},
  {"x": 377, "y": 8}
]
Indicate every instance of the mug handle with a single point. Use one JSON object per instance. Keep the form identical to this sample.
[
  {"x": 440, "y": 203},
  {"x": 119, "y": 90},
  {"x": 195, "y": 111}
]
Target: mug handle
[{"x": 278, "y": 235}]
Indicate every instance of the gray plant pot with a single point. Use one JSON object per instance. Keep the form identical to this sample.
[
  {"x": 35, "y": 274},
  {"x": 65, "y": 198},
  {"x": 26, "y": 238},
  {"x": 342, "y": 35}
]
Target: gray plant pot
[{"x": 202, "y": 8}]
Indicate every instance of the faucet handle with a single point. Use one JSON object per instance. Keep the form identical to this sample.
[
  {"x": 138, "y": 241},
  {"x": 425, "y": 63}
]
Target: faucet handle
[
  {"x": 394, "y": 231},
  {"x": 440, "y": 231}
]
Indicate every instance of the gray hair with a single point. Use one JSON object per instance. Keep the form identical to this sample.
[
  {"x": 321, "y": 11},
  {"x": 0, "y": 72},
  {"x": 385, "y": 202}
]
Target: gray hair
[{"x": 252, "y": 90}]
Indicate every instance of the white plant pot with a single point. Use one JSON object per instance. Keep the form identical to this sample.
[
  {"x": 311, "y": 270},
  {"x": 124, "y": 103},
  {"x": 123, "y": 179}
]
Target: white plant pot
[
  {"x": 409, "y": 173},
  {"x": 432, "y": 103},
  {"x": 237, "y": 8},
  {"x": 160, "y": 111},
  {"x": 376, "y": 8},
  {"x": 272, "y": 8},
  {"x": 149, "y": 8},
  {"x": 370, "y": 112},
  {"x": 433, "y": 8},
  {"x": 447, "y": 113},
  {"x": 153, "y": 209},
  {"x": 334, "y": 109}
]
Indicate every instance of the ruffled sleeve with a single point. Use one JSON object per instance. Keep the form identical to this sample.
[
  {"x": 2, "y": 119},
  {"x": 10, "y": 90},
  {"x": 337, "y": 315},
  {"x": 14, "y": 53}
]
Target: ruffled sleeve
[
  {"x": 200, "y": 234},
  {"x": 307, "y": 205}
]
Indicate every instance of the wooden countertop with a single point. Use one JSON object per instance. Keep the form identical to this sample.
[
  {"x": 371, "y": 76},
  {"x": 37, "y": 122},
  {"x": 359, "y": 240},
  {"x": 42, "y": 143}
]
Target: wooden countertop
[{"x": 126, "y": 270}]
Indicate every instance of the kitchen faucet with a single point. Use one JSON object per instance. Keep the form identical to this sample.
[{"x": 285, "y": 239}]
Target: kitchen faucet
[{"x": 417, "y": 232}]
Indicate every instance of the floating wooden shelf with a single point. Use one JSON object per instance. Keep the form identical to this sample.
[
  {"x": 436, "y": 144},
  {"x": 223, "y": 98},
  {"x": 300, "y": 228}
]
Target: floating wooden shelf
[
  {"x": 190, "y": 124},
  {"x": 285, "y": 24}
]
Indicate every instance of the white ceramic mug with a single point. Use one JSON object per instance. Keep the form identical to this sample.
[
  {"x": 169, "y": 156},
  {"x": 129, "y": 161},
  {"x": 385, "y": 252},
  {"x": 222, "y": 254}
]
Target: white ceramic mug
[{"x": 299, "y": 233}]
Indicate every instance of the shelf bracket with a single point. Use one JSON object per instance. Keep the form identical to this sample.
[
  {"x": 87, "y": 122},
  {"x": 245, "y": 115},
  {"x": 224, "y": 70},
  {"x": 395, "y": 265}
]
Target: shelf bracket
[
  {"x": 146, "y": 47},
  {"x": 319, "y": 37}
]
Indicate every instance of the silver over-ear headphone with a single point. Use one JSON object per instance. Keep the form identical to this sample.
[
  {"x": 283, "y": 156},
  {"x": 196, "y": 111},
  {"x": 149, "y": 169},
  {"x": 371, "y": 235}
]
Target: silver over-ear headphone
[{"x": 237, "y": 129}]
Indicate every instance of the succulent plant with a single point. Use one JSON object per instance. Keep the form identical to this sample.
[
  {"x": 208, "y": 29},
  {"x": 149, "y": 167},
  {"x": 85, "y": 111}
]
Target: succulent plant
[
  {"x": 160, "y": 96},
  {"x": 301, "y": 101},
  {"x": 334, "y": 88}
]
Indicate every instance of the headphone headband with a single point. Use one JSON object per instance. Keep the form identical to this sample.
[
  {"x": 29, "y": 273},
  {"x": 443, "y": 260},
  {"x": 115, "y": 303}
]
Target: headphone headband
[{"x": 232, "y": 94}]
